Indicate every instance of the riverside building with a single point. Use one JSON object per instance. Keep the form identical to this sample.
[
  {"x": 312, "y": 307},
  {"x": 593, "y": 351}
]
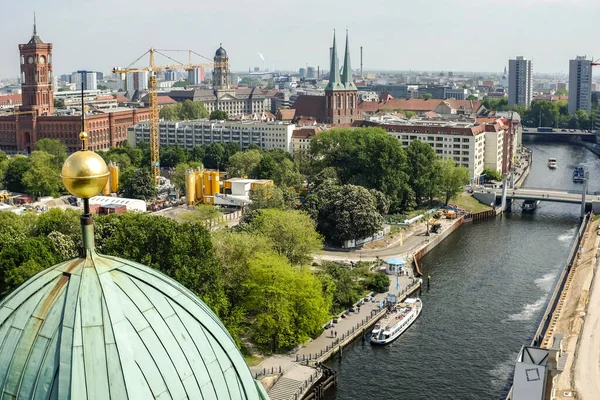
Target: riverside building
[
  {"x": 473, "y": 145},
  {"x": 189, "y": 134}
]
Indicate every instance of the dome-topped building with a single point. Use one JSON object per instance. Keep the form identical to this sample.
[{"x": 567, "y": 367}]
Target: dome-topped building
[{"x": 107, "y": 328}]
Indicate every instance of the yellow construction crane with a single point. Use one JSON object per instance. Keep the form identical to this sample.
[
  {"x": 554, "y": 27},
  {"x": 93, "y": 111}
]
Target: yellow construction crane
[{"x": 152, "y": 70}]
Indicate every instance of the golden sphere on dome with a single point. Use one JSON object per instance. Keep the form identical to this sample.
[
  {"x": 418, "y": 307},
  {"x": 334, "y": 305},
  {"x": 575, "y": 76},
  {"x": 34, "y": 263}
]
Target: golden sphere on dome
[{"x": 84, "y": 174}]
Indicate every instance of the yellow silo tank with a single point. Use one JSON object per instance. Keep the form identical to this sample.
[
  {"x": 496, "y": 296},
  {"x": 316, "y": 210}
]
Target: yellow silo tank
[
  {"x": 106, "y": 189},
  {"x": 114, "y": 177},
  {"x": 207, "y": 183},
  {"x": 216, "y": 187},
  {"x": 199, "y": 182},
  {"x": 190, "y": 187}
]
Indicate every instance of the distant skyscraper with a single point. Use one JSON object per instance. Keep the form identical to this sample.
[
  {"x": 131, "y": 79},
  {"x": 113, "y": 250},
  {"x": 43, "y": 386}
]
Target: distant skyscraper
[
  {"x": 311, "y": 73},
  {"x": 520, "y": 81},
  {"x": 196, "y": 76},
  {"x": 91, "y": 81},
  {"x": 137, "y": 81},
  {"x": 302, "y": 72},
  {"x": 170, "y": 75},
  {"x": 580, "y": 85}
]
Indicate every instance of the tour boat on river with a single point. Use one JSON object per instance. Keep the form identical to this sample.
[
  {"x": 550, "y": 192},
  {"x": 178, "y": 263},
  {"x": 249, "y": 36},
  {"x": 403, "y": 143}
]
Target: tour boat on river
[
  {"x": 396, "y": 321},
  {"x": 552, "y": 163}
]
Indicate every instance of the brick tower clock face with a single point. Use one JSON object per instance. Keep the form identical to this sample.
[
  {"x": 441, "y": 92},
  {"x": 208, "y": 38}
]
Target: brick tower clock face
[{"x": 30, "y": 60}]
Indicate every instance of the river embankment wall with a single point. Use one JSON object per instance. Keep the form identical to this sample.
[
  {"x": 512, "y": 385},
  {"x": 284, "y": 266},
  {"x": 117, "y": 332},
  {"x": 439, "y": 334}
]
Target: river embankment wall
[{"x": 427, "y": 247}]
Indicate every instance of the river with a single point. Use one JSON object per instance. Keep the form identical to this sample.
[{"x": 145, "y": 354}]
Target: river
[{"x": 489, "y": 284}]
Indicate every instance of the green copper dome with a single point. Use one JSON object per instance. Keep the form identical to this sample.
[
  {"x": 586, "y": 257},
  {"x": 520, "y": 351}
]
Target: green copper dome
[{"x": 106, "y": 328}]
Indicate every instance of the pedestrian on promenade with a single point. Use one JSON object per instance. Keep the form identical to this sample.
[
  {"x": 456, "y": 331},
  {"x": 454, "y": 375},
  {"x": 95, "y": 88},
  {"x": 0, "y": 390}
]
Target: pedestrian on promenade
[
  {"x": 332, "y": 333},
  {"x": 335, "y": 333}
]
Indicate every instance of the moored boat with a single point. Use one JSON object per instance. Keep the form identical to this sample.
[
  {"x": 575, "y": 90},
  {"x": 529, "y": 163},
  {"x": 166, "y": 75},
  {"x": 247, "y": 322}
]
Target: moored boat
[
  {"x": 530, "y": 205},
  {"x": 552, "y": 163},
  {"x": 578, "y": 175},
  {"x": 395, "y": 322}
]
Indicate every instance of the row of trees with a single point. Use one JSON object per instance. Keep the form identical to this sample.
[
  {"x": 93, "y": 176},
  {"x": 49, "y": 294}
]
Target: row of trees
[
  {"x": 548, "y": 113},
  {"x": 257, "y": 279},
  {"x": 190, "y": 110}
]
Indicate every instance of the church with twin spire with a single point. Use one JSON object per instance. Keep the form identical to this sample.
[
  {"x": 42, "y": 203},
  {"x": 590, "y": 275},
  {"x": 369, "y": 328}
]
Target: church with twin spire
[
  {"x": 339, "y": 106},
  {"x": 341, "y": 97}
]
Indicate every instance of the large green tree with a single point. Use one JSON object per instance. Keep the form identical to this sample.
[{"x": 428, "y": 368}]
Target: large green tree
[
  {"x": 55, "y": 148},
  {"x": 140, "y": 185},
  {"x": 344, "y": 212},
  {"x": 170, "y": 156},
  {"x": 421, "y": 169},
  {"x": 193, "y": 110},
  {"x": 13, "y": 177},
  {"x": 367, "y": 157},
  {"x": 243, "y": 163},
  {"x": 218, "y": 115},
  {"x": 286, "y": 304},
  {"x": 453, "y": 178},
  {"x": 43, "y": 176},
  {"x": 292, "y": 233}
]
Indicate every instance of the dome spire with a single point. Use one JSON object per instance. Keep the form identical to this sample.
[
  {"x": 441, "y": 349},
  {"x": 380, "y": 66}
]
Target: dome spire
[
  {"x": 34, "y": 25},
  {"x": 85, "y": 174}
]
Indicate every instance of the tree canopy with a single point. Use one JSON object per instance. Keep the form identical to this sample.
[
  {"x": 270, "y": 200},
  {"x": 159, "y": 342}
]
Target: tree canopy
[
  {"x": 219, "y": 115},
  {"x": 367, "y": 157},
  {"x": 453, "y": 178},
  {"x": 139, "y": 185},
  {"x": 187, "y": 110},
  {"x": 344, "y": 212}
]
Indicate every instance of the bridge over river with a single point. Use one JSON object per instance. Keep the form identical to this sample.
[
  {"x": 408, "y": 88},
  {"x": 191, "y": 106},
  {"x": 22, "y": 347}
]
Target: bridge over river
[
  {"x": 589, "y": 201},
  {"x": 559, "y": 135}
]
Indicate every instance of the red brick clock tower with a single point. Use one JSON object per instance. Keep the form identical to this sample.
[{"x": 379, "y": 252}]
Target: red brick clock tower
[{"x": 36, "y": 76}]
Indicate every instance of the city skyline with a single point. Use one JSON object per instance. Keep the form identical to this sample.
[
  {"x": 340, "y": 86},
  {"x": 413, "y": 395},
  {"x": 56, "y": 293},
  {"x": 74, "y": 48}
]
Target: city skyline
[{"x": 428, "y": 42}]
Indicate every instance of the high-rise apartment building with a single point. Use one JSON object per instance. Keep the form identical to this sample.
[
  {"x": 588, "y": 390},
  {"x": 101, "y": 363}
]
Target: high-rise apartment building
[
  {"x": 91, "y": 80},
  {"x": 196, "y": 76},
  {"x": 580, "y": 85},
  {"x": 137, "y": 81},
  {"x": 520, "y": 81}
]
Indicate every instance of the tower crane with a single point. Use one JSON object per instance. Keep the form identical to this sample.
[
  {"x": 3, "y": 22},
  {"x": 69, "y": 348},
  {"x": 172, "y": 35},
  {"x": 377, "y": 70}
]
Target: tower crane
[{"x": 152, "y": 69}]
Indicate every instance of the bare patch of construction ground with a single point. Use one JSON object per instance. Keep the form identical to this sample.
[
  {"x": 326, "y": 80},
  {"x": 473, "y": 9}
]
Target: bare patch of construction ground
[{"x": 579, "y": 320}]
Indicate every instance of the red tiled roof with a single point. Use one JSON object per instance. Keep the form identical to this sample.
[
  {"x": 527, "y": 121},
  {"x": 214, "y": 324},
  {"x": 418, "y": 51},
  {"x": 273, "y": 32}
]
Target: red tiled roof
[
  {"x": 369, "y": 106},
  {"x": 105, "y": 97},
  {"x": 310, "y": 106},
  {"x": 286, "y": 114},
  {"x": 305, "y": 133},
  {"x": 417, "y": 105},
  {"x": 122, "y": 98},
  {"x": 162, "y": 100},
  {"x": 10, "y": 98}
]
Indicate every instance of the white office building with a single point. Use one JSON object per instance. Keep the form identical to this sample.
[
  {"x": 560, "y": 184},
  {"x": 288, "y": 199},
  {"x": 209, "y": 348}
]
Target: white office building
[
  {"x": 580, "y": 85},
  {"x": 520, "y": 81},
  {"x": 189, "y": 134}
]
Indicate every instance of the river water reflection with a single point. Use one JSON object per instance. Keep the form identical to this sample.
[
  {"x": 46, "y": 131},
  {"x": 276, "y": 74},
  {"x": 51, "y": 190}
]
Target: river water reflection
[{"x": 490, "y": 283}]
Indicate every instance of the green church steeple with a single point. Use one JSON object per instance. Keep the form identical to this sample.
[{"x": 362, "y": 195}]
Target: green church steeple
[
  {"x": 347, "y": 69},
  {"x": 334, "y": 72}
]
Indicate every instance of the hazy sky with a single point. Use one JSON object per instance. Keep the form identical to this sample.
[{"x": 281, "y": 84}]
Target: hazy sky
[{"x": 459, "y": 35}]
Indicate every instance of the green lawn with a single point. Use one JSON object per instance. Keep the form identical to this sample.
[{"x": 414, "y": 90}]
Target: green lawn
[
  {"x": 252, "y": 360},
  {"x": 470, "y": 203}
]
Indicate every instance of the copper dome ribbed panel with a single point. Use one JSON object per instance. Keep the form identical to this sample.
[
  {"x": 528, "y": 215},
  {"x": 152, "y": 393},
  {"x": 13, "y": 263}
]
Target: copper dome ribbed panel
[{"x": 107, "y": 328}]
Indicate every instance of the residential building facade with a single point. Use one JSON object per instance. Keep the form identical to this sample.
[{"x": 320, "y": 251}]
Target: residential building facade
[
  {"x": 466, "y": 143},
  {"x": 520, "y": 81},
  {"x": 189, "y": 134},
  {"x": 580, "y": 85}
]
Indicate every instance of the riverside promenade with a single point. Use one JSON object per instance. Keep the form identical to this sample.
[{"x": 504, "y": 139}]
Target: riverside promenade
[{"x": 290, "y": 376}]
